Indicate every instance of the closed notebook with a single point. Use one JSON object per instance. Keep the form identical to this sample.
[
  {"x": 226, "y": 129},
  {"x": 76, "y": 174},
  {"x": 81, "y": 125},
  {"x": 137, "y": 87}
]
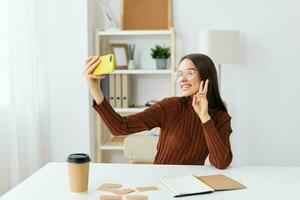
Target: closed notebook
[
  {"x": 192, "y": 185},
  {"x": 221, "y": 182}
]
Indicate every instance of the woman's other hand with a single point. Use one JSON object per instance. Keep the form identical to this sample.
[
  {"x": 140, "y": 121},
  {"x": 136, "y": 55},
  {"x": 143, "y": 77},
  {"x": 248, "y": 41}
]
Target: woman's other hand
[{"x": 200, "y": 103}]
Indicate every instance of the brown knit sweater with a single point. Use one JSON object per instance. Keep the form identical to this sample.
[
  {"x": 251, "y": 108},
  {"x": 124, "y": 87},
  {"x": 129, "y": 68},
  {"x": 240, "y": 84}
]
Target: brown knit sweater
[{"x": 183, "y": 138}]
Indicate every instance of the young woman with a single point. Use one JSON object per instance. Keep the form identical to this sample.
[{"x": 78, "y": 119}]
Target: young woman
[{"x": 193, "y": 126}]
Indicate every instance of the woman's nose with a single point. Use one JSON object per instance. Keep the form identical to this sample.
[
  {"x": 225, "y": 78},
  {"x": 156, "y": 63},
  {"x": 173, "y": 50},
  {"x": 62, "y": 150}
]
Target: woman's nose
[{"x": 182, "y": 79}]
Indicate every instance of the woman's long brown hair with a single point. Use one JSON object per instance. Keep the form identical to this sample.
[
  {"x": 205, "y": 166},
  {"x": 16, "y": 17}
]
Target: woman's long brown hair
[{"x": 207, "y": 70}]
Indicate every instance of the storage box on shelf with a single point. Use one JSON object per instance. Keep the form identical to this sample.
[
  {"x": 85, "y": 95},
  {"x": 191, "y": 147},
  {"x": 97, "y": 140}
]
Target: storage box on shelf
[{"x": 144, "y": 80}]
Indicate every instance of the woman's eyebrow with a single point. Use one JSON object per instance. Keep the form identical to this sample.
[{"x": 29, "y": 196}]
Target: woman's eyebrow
[{"x": 190, "y": 68}]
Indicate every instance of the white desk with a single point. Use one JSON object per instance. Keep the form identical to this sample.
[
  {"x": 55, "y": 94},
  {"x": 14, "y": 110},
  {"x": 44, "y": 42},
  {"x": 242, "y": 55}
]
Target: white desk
[{"x": 51, "y": 182}]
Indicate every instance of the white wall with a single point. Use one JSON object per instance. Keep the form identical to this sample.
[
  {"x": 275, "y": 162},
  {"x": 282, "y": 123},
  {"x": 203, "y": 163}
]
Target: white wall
[
  {"x": 94, "y": 21},
  {"x": 4, "y": 150},
  {"x": 4, "y": 96},
  {"x": 261, "y": 90},
  {"x": 65, "y": 48},
  {"x": 4, "y": 34}
]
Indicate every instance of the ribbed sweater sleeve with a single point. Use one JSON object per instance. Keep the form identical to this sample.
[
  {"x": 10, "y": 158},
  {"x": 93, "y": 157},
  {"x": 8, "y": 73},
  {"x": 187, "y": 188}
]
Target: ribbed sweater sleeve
[
  {"x": 217, "y": 139},
  {"x": 124, "y": 125}
]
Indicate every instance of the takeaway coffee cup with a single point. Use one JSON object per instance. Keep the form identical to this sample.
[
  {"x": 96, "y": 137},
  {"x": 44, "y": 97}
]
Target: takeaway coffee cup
[{"x": 78, "y": 165}]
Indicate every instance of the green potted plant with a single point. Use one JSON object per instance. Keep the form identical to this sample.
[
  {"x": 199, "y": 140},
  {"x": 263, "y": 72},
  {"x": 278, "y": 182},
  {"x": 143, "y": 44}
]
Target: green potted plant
[{"x": 160, "y": 54}]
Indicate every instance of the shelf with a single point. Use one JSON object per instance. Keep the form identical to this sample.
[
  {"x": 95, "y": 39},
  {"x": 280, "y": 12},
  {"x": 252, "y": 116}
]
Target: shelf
[
  {"x": 130, "y": 110},
  {"x": 135, "y": 32},
  {"x": 111, "y": 147},
  {"x": 143, "y": 71},
  {"x": 117, "y": 143}
]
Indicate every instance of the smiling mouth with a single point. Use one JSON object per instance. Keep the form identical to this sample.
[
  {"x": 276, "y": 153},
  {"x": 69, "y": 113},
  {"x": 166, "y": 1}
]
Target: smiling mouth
[{"x": 185, "y": 87}]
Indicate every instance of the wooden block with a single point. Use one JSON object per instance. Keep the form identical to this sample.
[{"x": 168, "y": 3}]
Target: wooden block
[
  {"x": 148, "y": 188},
  {"x": 136, "y": 197},
  {"x": 107, "y": 189},
  {"x": 124, "y": 191},
  {"x": 110, "y": 197},
  {"x": 111, "y": 185}
]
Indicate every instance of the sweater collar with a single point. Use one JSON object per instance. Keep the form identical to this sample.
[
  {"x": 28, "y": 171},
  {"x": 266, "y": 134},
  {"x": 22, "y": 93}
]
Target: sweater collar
[{"x": 187, "y": 100}]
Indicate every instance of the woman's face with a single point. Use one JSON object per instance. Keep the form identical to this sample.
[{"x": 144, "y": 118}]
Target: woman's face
[{"x": 188, "y": 78}]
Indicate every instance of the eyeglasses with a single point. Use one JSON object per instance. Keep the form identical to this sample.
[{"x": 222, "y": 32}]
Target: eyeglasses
[{"x": 188, "y": 74}]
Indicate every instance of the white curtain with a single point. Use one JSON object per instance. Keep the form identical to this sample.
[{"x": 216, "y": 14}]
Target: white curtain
[{"x": 24, "y": 132}]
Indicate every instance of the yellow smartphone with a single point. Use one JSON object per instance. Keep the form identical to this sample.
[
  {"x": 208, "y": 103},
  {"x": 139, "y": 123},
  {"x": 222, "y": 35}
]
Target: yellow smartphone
[{"x": 106, "y": 66}]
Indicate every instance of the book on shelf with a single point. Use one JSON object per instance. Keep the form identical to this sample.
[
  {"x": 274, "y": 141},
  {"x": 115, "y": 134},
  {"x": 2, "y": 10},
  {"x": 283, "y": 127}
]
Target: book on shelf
[
  {"x": 118, "y": 92},
  {"x": 125, "y": 90},
  {"x": 118, "y": 89},
  {"x": 112, "y": 89},
  {"x": 193, "y": 185},
  {"x": 105, "y": 87}
]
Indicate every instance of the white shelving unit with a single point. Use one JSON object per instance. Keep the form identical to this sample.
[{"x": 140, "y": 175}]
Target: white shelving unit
[
  {"x": 146, "y": 79},
  {"x": 135, "y": 32},
  {"x": 111, "y": 147},
  {"x": 108, "y": 146}
]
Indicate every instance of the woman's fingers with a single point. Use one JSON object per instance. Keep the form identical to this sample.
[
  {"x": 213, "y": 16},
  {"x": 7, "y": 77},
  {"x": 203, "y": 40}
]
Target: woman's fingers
[
  {"x": 88, "y": 62},
  {"x": 206, "y": 86},
  {"x": 97, "y": 77},
  {"x": 93, "y": 66},
  {"x": 200, "y": 95},
  {"x": 194, "y": 100},
  {"x": 203, "y": 91},
  {"x": 91, "y": 62},
  {"x": 88, "y": 59},
  {"x": 201, "y": 87}
]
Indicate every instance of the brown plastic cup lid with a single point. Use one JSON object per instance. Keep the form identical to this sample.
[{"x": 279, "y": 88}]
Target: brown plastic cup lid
[{"x": 78, "y": 158}]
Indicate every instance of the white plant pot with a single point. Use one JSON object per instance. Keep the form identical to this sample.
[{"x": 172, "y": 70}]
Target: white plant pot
[
  {"x": 131, "y": 64},
  {"x": 161, "y": 63}
]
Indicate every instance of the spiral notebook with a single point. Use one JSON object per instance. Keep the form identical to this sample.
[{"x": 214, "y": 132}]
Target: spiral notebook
[{"x": 193, "y": 185}]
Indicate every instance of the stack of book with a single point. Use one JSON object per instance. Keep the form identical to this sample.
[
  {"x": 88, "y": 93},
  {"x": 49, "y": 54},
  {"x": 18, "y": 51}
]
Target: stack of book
[{"x": 116, "y": 88}]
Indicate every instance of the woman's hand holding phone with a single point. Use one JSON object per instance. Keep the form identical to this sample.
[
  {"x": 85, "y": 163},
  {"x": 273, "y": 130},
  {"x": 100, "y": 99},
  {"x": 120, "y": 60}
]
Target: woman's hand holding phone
[{"x": 93, "y": 81}]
